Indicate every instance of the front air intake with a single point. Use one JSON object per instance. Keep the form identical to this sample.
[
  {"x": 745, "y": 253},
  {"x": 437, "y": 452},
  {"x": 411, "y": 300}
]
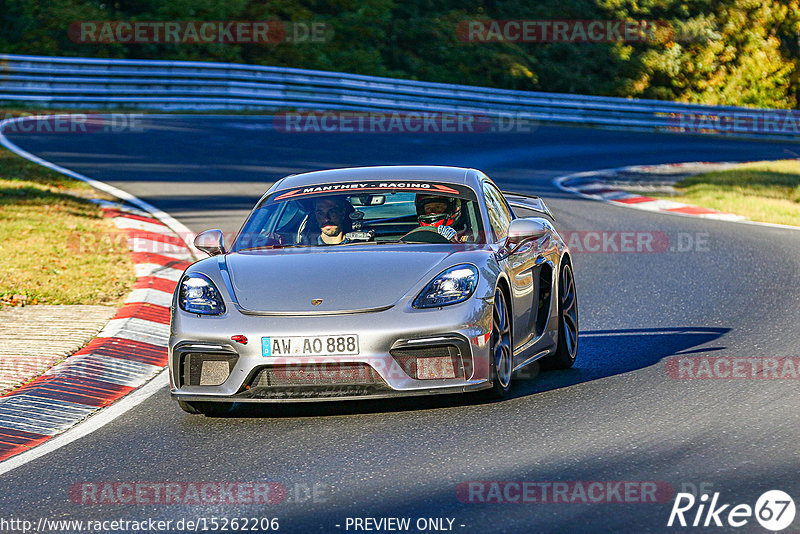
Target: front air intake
[
  {"x": 206, "y": 368},
  {"x": 315, "y": 380},
  {"x": 431, "y": 362}
]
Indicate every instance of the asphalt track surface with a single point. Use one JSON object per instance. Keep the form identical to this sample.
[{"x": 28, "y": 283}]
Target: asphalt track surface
[{"x": 617, "y": 416}]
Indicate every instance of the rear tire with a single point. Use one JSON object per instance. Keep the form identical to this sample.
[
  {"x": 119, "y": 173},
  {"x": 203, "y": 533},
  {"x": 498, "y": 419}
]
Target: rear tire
[
  {"x": 500, "y": 348},
  {"x": 567, "y": 346}
]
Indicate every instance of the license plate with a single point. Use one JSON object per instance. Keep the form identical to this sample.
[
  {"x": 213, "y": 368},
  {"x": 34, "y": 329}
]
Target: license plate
[{"x": 309, "y": 345}]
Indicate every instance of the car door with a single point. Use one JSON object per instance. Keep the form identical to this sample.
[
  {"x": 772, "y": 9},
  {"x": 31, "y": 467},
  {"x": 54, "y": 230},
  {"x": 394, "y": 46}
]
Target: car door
[{"x": 519, "y": 266}]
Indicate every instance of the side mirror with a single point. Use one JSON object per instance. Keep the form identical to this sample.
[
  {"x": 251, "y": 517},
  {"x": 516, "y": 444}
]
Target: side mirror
[
  {"x": 521, "y": 231},
  {"x": 212, "y": 242}
]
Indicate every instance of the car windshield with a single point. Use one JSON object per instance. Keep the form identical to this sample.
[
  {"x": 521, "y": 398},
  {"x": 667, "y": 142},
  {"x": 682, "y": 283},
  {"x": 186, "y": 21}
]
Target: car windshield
[{"x": 363, "y": 213}]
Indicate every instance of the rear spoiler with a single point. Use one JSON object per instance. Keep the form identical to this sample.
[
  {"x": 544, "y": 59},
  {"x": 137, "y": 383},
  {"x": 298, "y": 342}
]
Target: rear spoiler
[{"x": 528, "y": 202}]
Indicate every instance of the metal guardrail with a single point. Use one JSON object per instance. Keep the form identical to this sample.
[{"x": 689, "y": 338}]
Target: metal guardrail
[{"x": 183, "y": 85}]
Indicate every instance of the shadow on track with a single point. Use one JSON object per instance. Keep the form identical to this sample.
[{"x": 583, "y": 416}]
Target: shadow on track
[
  {"x": 602, "y": 353},
  {"x": 605, "y": 353}
]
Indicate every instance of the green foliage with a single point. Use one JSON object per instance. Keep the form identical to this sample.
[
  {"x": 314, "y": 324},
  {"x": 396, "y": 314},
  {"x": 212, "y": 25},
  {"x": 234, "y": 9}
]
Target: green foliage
[
  {"x": 735, "y": 52},
  {"x": 727, "y": 54}
]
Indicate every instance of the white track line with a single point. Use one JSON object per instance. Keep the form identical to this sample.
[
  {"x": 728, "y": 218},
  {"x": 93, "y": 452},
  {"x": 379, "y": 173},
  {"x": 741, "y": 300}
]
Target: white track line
[
  {"x": 105, "y": 415},
  {"x": 93, "y": 422},
  {"x": 179, "y": 228},
  {"x": 605, "y": 173}
]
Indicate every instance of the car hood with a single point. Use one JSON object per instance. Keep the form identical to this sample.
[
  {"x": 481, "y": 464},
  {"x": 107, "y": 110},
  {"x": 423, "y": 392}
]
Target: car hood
[{"x": 351, "y": 279}]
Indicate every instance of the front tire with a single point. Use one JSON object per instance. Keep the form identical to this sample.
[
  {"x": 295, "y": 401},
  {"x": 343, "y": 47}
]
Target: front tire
[
  {"x": 205, "y": 408},
  {"x": 567, "y": 347},
  {"x": 500, "y": 347}
]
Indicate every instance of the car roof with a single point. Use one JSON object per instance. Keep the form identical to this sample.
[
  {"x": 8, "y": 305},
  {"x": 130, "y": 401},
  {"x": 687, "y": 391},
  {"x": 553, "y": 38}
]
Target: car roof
[{"x": 433, "y": 173}]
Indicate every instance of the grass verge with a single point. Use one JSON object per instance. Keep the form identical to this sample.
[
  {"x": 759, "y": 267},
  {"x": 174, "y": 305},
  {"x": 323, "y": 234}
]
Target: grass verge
[
  {"x": 766, "y": 191},
  {"x": 55, "y": 245}
]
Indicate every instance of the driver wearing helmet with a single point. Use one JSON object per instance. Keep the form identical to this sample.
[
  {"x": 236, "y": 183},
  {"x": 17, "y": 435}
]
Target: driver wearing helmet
[{"x": 439, "y": 212}]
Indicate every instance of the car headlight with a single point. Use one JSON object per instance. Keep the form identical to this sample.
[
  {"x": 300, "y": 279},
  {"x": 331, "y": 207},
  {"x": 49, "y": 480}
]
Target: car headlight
[
  {"x": 451, "y": 286},
  {"x": 198, "y": 294}
]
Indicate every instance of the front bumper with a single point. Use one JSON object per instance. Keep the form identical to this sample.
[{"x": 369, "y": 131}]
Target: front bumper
[{"x": 384, "y": 367}]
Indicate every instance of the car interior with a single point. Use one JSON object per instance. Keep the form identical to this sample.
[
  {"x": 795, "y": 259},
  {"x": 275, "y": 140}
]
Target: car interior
[{"x": 376, "y": 218}]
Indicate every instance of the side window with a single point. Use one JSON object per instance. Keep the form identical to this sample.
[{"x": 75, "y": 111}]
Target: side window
[{"x": 499, "y": 214}]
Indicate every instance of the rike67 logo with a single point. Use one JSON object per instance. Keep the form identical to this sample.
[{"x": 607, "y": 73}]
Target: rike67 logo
[{"x": 774, "y": 510}]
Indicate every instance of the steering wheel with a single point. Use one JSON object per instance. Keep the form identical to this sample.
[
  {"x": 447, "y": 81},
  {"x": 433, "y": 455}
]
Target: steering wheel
[
  {"x": 425, "y": 234},
  {"x": 269, "y": 239}
]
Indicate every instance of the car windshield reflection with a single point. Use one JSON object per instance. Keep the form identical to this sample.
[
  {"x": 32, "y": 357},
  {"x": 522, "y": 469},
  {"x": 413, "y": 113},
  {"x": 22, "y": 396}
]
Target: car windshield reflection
[{"x": 323, "y": 215}]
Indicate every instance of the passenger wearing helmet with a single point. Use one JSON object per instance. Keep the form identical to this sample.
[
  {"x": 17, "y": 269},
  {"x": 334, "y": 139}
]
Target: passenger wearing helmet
[{"x": 439, "y": 212}]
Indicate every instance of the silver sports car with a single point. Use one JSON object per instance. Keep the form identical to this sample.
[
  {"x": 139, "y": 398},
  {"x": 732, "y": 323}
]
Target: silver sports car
[{"x": 373, "y": 282}]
